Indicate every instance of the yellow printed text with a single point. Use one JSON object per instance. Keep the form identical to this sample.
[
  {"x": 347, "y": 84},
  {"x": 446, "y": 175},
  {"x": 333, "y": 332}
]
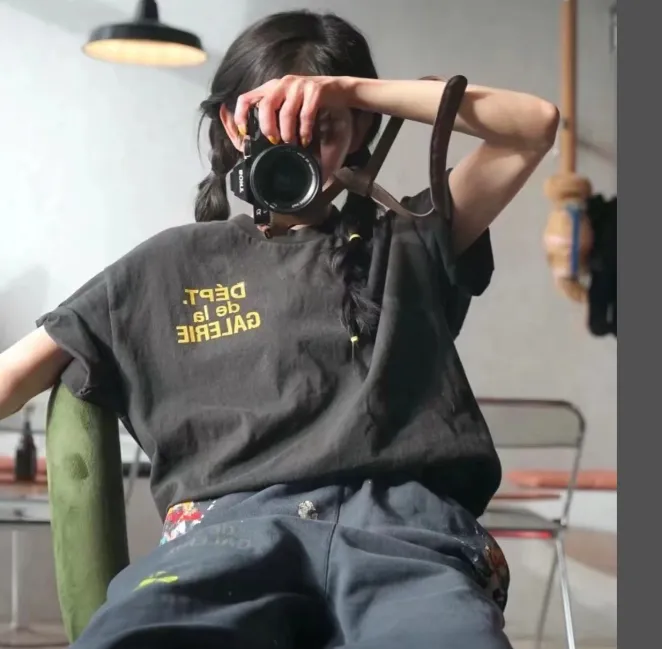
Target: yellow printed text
[{"x": 206, "y": 331}]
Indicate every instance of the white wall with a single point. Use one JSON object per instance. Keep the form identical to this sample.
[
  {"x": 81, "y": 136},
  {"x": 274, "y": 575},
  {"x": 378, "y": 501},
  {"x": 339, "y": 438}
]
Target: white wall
[{"x": 95, "y": 158}]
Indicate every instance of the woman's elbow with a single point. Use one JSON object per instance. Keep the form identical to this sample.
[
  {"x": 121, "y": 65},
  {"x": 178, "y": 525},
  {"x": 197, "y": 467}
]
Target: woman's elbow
[{"x": 545, "y": 118}]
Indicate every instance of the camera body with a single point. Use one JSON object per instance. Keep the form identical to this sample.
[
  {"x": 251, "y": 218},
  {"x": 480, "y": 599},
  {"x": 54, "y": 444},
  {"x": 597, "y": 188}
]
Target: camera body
[{"x": 280, "y": 178}]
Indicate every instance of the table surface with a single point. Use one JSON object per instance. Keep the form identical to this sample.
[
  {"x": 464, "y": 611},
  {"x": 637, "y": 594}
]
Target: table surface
[
  {"x": 510, "y": 491},
  {"x": 23, "y": 503},
  {"x": 9, "y": 485}
]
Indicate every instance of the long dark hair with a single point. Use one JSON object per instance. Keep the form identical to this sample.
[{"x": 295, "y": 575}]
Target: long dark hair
[{"x": 302, "y": 43}]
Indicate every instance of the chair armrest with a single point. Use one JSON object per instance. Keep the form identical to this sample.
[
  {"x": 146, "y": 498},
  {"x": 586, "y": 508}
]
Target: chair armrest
[{"x": 88, "y": 518}]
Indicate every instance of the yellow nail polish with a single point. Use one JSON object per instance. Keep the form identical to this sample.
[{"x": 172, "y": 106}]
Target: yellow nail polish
[
  {"x": 242, "y": 131},
  {"x": 305, "y": 142},
  {"x": 273, "y": 140}
]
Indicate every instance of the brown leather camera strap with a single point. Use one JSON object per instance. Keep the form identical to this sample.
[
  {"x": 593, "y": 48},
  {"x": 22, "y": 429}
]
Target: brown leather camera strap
[{"x": 362, "y": 181}]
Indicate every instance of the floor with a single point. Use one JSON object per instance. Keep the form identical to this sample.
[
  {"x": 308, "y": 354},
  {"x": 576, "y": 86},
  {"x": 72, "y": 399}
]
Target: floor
[
  {"x": 526, "y": 644},
  {"x": 25, "y": 640}
]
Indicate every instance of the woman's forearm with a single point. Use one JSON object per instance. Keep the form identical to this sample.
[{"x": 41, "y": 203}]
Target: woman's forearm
[
  {"x": 503, "y": 118},
  {"x": 27, "y": 368}
]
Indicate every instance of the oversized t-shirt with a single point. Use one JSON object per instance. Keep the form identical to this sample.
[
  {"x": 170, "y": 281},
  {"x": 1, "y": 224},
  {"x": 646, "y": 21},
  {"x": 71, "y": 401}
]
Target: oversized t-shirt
[{"x": 224, "y": 355}]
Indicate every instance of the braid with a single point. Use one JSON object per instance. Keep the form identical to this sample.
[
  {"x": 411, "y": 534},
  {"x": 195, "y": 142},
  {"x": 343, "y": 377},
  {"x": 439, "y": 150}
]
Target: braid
[
  {"x": 211, "y": 203},
  {"x": 351, "y": 258}
]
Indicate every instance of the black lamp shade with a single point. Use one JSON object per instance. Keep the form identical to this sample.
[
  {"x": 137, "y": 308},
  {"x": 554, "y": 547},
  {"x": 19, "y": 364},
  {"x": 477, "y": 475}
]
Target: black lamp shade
[{"x": 145, "y": 41}]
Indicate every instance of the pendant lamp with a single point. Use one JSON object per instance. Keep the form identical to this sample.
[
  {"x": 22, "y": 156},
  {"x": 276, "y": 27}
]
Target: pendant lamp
[{"x": 145, "y": 41}]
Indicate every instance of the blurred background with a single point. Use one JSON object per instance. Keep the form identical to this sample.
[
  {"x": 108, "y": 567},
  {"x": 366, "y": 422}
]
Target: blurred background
[{"x": 96, "y": 157}]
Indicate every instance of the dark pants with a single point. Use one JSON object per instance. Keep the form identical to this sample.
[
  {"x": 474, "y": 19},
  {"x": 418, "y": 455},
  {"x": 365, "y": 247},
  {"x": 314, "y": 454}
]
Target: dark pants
[{"x": 368, "y": 566}]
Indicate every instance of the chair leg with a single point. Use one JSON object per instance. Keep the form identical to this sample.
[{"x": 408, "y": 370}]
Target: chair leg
[
  {"x": 546, "y": 600},
  {"x": 565, "y": 593},
  {"x": 133, "y": 476}
]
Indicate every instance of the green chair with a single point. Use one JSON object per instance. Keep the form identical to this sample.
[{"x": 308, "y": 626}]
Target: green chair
[{"x": 88, "y": 517}]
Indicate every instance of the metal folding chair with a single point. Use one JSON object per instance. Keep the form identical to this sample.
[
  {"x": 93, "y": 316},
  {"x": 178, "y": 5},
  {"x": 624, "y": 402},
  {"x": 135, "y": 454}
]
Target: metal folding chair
[{"x": 536, "y": 424}]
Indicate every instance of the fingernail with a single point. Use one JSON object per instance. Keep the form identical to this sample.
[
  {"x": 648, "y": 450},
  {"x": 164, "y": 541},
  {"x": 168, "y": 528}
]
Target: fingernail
[
  {"x": 305, "y": 142},
  {"x": 273, "y": 140},
  {"x": 242, "y": 130}
]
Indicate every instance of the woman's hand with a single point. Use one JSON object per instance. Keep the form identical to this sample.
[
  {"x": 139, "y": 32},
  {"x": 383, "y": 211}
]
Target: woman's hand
[
  {"x": 289, "y": 106},
  {"x": 517, "y": 130}
]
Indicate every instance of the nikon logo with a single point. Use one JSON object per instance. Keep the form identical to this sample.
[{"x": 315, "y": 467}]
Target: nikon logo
[{"x": 241, "y": 180}]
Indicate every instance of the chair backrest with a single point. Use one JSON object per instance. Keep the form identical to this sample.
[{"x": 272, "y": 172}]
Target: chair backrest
[
  {"x": 537, "y": 424},
  {"x": 533, "y": 423}
]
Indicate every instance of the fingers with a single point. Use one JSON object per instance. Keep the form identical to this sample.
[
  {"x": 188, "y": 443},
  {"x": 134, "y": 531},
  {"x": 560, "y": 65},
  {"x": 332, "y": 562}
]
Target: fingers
[
  {"x": 308, "y": 113},
  {"x": 288, "y": 117},
  {"x": 268, "y": 115},
  {"x": 244, "y": 103},
  {"x": 288, "y": 109}
]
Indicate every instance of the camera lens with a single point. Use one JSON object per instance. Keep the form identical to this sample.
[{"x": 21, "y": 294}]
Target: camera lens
[
  {"x": 285, "y": 179},
  {"x": 287, "y": 182}
]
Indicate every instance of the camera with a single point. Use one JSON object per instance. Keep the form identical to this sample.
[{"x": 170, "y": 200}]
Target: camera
[{"x": 280, "y": 178}]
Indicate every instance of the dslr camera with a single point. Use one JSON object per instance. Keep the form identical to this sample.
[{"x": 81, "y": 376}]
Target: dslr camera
[{"x": 280, "y": 178}]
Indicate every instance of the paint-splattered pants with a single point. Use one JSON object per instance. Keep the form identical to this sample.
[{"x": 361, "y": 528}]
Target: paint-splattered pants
[{"x": 369, "y": 566}]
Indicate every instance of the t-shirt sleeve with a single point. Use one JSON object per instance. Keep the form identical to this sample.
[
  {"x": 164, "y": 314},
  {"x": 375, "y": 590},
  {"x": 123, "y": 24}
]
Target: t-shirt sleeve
[
  {"x": 81, "y": 325},
  {"x": 463, "y": 276}
]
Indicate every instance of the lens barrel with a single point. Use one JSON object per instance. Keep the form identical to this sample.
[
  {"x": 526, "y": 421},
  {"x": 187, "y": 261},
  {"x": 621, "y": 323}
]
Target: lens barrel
[{"x": 285, "y": 178}]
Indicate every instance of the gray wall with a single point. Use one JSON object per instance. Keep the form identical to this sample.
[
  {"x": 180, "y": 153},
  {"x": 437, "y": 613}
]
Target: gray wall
[{"x": 95, "y": 158}]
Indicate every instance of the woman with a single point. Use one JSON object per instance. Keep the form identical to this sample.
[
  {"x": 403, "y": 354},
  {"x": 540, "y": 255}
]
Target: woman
[{"x": 317, "y": 454}]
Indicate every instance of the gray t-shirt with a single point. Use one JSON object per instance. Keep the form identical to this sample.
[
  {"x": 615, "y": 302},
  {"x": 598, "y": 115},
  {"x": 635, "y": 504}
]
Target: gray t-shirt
[{"x": 224, "y": 355}]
